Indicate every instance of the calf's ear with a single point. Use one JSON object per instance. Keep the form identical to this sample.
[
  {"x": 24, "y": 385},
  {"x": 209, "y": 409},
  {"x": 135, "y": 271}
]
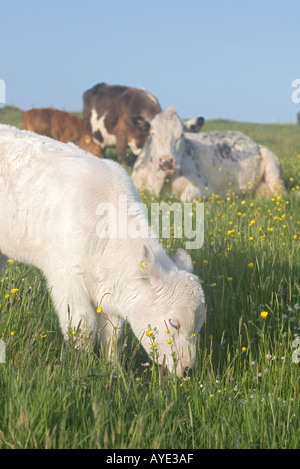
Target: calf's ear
[
  {"x": 149, "y": 266},
  {"x": 183, "y": 260},
  {"x": 141, "y": 123}
]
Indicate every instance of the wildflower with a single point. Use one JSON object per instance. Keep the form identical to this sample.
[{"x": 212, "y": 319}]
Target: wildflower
[
  {"x": 250, "y": 239},
  {"x": 12, "y": 333},
  {"x": 244, "y": 349},
  {"x": 6, "y": 295},
  {"x": 43, "y": 335},
  {"x": 243, "y": 202},
  {"x": 143, "y": 268},
  {"x": 73, "y": 332},
  {"x": 14, "y": 290},
  {"x": 11, "y": 261},
  {"x": 250, "y": 265},
  {"x": 251, "y": 222},
  {"x": 193, "y": 335},
  {"x": 153, "y": 344},
  {"x": 169, "y": 341},
  {"x": 99, "y": 309},
  {"x": 213, "y": 284},
  {"x": 264, "y": 314},
  {"x": 229, "y": 279},
  {"x": 149, "y": 333},
  {"x": 167, "y": 331},
  {"x": 205, "y": 261},
  {"x": 295, "y": 236}
]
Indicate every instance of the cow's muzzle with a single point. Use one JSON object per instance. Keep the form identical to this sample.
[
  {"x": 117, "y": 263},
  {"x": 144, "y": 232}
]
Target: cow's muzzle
[{"x": 166, "y": 163}]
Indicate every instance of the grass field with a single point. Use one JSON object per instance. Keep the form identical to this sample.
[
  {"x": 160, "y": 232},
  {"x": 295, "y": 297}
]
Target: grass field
[{"x": 244, "y": 392}]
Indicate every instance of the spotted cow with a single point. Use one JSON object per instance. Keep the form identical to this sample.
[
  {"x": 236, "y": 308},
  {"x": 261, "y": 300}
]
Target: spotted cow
[{"x": 196, "y": 165}]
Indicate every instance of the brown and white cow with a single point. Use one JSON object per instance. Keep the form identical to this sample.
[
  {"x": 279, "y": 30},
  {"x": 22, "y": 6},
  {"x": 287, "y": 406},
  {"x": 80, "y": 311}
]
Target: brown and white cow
[
  {"x": 119, "y": 116},
  {"x": 62, "y": 126}
]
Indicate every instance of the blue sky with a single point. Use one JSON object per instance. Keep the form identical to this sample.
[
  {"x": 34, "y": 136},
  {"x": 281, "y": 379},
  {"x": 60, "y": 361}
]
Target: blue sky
[{"x": 213, "y": 58}]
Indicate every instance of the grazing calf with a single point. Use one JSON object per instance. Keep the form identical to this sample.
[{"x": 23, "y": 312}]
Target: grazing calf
[
  {"x": 200, "y": 164},
  {"x": 80, "y": 220},
  {"x": 62, "y": 126}
]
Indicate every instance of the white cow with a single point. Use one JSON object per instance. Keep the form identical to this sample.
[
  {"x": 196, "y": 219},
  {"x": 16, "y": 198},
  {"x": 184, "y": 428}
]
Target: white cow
[
  {"x": 197, "y": 165},
  {"x": 65, "y": 212}
]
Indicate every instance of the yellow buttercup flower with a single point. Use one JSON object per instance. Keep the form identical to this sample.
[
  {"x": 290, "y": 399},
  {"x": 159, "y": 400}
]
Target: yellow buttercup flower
[
  {"x": 99, "y": 309},
  {"x": 143, "y": 268},
  {"x": 14, "y": 290},
  {"x": 149, "y": 333},
  {"x": 264, "y": 314}
]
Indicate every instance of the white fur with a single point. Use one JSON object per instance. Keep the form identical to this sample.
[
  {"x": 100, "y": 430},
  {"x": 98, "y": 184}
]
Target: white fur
[
  {"x": 202, "y": 165},
  {"x": 50, "y": 194}
]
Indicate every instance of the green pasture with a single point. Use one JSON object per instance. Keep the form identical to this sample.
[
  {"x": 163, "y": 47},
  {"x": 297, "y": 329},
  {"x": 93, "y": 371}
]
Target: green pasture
[{"x": 244, "y": 391}]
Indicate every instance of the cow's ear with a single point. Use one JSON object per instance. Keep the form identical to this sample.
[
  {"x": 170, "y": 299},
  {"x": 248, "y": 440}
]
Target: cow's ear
[
  {"x": 199, "y": 124},
  {"x": 141, "y": 123},
  {"x": 149, "y": 266},
  {"x": 183, "y": 260}
]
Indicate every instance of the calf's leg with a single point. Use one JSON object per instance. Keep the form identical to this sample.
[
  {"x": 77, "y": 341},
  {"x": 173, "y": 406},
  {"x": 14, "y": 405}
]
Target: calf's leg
[
  {"x": 107, "y": 333},
  {"x": 74, "y": 307},
  {"x": 3, "y": 260}
]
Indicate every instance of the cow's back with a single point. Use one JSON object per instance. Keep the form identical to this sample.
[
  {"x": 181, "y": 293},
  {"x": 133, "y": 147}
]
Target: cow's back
[
  {"x": 37, "y": 120},
  {"x": 118, "y": 102}
]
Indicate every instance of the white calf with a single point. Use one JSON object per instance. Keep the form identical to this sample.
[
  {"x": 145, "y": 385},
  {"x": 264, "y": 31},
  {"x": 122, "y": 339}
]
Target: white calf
[{"x": 54, "y": 204}]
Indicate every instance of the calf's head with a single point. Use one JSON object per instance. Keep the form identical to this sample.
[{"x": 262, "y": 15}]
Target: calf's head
[{"x": 171, "y": 309}]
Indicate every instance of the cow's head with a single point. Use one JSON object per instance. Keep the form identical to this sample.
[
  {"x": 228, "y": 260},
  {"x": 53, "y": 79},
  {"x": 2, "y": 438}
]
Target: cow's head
[
  {"x": 87, "y": 144},
  {"x": 172, "y": 309},
  {"x": 164, "y": 146}
]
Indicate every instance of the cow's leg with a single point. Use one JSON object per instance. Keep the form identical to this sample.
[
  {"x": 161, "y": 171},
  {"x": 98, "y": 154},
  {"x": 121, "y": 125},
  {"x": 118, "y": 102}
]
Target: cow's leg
[
  {"x": 272, "y": 178},
  {"x": 76, "y": 313},
  {"x": 186, "y": 189},
  {"x": 121, "y": 144},
  {"x": 107, "y": 334},
  {"x": 3, "y": 260}
]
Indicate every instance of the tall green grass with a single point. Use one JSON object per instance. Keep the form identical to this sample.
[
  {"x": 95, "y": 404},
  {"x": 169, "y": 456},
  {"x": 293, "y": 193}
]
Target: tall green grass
[{"x": 244, "y": 391}]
